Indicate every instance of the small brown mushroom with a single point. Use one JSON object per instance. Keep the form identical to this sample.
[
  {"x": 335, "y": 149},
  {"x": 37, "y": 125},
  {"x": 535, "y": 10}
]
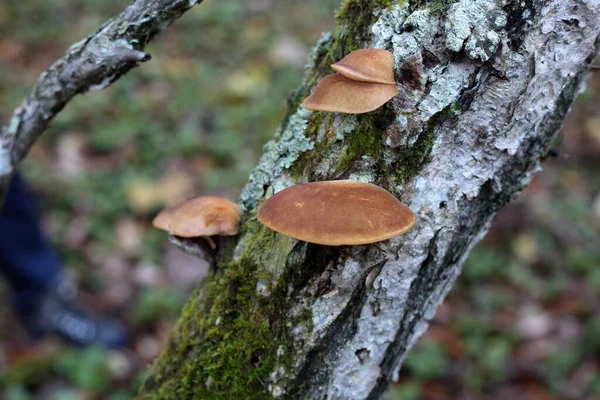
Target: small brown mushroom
[
  {"x": 200, "y": 216},
  {"x": 367, "y": 65},
  {"x": 336, "y": 93},
  {"x": 336, "y": 213}
]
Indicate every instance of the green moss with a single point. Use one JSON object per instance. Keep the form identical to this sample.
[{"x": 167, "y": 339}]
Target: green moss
[
  {"x": 239, "y": 331},
  {"x": 436, "y": 7},
  {"x": 240, "y": 336},
  {"x": 307, "y": 162},
  {"x": 367, "y": 138},
  {"x": 354, "y": 19},
  {"x": 410, "y": 165},
  {"x": 413, "y": 162}
]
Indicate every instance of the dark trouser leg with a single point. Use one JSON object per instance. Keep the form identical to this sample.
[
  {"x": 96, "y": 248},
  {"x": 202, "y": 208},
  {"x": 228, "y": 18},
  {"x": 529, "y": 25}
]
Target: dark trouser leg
[
  {"x": 34, "y": 273},
  {"x": 26, "y": 259}
]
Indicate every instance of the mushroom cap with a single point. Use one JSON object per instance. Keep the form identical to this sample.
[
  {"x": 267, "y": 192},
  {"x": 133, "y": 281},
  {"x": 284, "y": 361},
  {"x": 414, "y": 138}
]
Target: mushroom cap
[
  {"x": 200, "y": 216},
  {"x": 367, "y": 65},
  {"x": 336, "y": 213},
  {"x": 336, "y": 93}
]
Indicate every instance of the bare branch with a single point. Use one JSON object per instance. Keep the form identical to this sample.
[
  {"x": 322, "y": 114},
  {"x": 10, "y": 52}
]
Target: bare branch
[{"x": 91, "y": 64}]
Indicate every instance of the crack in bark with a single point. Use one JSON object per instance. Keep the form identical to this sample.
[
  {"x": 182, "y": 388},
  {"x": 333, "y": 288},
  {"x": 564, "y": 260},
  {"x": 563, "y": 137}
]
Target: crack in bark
[
  {"x": 417, "y": 288},
  {"x": 313, "y": 374}
]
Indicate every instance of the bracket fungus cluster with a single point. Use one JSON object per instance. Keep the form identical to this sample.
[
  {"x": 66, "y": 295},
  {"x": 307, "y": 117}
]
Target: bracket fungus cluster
[
  {"x": 202, "y": 216},
  {"x": 332, "y": 213},
  {"x": 336, "y": 213},
  {"x": 364, "y": 82}
]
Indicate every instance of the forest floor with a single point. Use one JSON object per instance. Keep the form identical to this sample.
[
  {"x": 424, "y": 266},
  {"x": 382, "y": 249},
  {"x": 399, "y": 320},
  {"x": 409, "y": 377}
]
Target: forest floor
[{"x": 523, "y": 321}]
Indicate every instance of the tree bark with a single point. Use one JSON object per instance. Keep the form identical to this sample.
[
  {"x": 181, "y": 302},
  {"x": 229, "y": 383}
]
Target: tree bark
[
  {"x": 90, "y": 64},
  {"x": 484, "y": 87}
]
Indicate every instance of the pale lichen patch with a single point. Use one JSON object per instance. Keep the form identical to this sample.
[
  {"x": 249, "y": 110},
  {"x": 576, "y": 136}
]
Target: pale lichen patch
[
  {"x": 476, "y": 26},
  {"x": 389, "y": 24},
  {"x": 408, "y": 36},
  {"x": 344, "y": 124},
  {"x": 429, "y": 84},
  {"x": 422, "y": 23},
  {"x": 328, "y": 164},
  {"x": 279, "y": 154},
  {"x": 446, "y": 89},
  {"x": 363, "y": 177}
]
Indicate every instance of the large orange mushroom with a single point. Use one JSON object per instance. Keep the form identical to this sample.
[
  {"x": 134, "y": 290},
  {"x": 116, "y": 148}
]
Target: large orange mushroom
[
  {"x": 367, "y": 65},
  {"x": 336, "y": 93},
  {"x": 336, "y": 213}
]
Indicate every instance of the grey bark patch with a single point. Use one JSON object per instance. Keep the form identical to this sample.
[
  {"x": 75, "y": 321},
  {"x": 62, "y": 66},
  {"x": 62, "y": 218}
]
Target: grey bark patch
[{"x": 475, "y": 25}]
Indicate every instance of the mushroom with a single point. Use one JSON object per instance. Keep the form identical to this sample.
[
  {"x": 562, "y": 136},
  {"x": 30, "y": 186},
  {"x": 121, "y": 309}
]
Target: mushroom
[
  {"x": 200, "y": 216},
  {"x": 336, "y": 93},
  {"x": 367, "y": 65},
  {"x": 336, "y": 213}
]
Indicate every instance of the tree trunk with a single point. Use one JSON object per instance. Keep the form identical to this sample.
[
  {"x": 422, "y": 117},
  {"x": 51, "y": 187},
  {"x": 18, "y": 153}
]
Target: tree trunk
[{"x": 484, "y": 86}]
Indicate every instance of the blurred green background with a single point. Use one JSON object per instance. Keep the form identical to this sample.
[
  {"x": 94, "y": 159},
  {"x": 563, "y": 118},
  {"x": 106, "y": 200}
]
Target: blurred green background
[{"x": 523, "y": 321}]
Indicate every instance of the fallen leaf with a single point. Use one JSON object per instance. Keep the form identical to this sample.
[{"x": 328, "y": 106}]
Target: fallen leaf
[
  {"x": 117, "y": 294},
  {"x": 11, "y": 50},
  {"x": 176, "y": 187},
  {"x": 592, "y": 128},
  {"x": 144, "y": 196},
  {"x": 114, "y": 268},
  {"x": 525, "y": 248},
  {"x": 184, "y": 270},
  {"x": 118, "y": 364},
  {"x": 248, "y": 82},
  {"x": 70, "y": 158},
  {"x": 77, "y": 232},
  {"x": 147, "y": 274},
  {"x": 148, "y": 348},
  {"x": 129, "y": 236},
  {"x": 534, "y": 323},
  {"x": 288, "y": 50}
]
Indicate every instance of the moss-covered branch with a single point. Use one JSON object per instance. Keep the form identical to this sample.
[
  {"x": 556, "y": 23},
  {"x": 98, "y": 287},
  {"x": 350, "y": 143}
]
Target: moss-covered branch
[{"x": 484, "y": 86}]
